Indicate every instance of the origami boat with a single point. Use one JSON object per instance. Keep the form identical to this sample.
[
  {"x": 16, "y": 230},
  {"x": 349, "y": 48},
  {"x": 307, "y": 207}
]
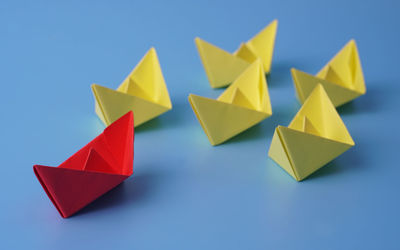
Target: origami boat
[
  {"x": 144, "y": 92},
  {"x": 341, "y": 77},
  {"x": 316, "y": 136},
  {"x": 242, "y": 105},
  {"x": 98, "y": 167},
  {"x": 222, "y": 67}
]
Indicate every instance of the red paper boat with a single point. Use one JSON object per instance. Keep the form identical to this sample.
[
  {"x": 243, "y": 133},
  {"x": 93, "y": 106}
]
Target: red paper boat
[{"x": 98, "y": 167}]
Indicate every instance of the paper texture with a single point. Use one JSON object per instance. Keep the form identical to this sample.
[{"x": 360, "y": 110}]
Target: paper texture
[
  {"x": 242, "y": 105},
  {"x": 341, "y": 77},
  {"x": 144, "y": 92},
  {"x": 316, "y": 136},
  {"x": 98, "y": 167},
  {"x": 222, "y": 67}
]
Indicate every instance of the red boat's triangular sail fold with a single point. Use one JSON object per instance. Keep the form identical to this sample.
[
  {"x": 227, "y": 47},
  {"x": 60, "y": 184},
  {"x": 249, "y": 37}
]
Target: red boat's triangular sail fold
[
  {"x": 95, "y": 169},
  {"x": 119, "y": 137},
  {"x": 78, "y": 160},
  {"x": 96, "y": 163},
  {"x": 70, "y": 190}
]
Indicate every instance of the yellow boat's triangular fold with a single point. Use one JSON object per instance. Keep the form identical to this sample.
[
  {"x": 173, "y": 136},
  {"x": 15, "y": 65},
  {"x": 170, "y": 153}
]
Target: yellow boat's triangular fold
[
  {"x": 242, "y": 105},
  {"x": 253, "y": 85},
  {"x": 144, "y": 92},
  {"x": 306, "y": 126},
  {"x": 260, "y": 46},
  {"x": 316, "y": 136},
  {"x": 221, "y": 67},
  {"x": 342, "y": 77},
  {"x": 345, "y": 68},
  {"x": 240, "y": 99},
  {"x": 246, "y": 53}
]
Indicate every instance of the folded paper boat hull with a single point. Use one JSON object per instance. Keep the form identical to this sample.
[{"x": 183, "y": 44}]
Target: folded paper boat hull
[
  {"x": 301, "y": 154},
  {"x": 95, "y": 169},
  {"x": 316, "y": 136},
  {"x": 70, "y": 190},
  {"x": 143, "y": 91},
  {"x": 222, "y": 121}
]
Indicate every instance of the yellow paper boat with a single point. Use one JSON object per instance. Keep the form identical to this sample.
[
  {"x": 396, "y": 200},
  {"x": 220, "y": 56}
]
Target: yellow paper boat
[
  {"x": 316, "y": 136},
  {"x": 222, "y": 67},
  {"x": 342, "y": 77},
  {"x": 143, "y": 91},
  {"x": 242, "y": 105}
]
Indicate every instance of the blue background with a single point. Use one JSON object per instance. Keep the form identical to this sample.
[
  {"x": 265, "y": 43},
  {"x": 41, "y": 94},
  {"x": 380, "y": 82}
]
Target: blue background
[{"x": 186, "y": 194}]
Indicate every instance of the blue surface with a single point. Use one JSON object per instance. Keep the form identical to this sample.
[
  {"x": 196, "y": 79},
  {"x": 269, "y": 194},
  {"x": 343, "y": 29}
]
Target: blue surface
[{"x": 186, "y": 194}]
